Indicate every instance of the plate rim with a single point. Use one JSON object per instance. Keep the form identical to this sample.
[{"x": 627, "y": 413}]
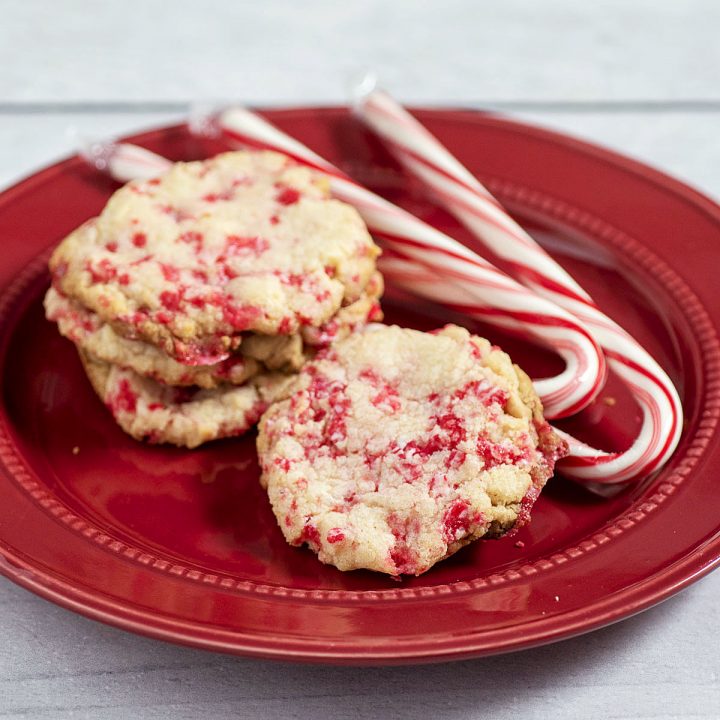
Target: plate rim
[{"x": 683, "y": 572}]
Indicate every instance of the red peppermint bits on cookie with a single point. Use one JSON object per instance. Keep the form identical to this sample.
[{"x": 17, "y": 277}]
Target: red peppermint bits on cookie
[
  {"x": 335, "y": 535},
  {"x": 237, "y": 245},
  {"x": 287, "y": 196}
]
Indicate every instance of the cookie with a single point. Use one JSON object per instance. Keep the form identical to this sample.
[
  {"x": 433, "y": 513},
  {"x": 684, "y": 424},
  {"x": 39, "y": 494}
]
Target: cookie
[
  {"x": 243, "y": 242},
  {"x": 256, "y": 352},
  {"x": 394, "y": 448},
  {"x": 151, "y": 411},
  {"x": 97, "y": 339}
]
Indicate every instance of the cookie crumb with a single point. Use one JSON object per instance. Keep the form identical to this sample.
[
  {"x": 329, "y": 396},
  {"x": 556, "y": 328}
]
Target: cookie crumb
[
  {"x": 75, "y": 450},
  {"x": 520, "y": 544},
  {"x": 610, "y": 401}
]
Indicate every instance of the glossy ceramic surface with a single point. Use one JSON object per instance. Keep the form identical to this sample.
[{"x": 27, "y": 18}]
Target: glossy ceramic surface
[{"x": 182, "y": 545}]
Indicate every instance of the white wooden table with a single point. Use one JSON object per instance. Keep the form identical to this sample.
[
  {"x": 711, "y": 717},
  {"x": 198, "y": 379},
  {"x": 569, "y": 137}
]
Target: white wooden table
[{"x": 637, "y": 75}]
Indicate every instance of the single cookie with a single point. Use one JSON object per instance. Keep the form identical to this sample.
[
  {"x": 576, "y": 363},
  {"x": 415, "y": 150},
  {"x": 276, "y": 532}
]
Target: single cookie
[
  {"x": 394, "y": 448},
  {"x": 149, "y": 410},
  {"x": 245, "y": 241},
  {"x": 256, "y": 353}
]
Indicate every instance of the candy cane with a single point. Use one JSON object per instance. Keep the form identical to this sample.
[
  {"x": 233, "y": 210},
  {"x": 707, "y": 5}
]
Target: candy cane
[
  {"x": 461, "y": 193},
  {"x": 123, "y": 161},
  {"x": 422, "y": 278},
  {"x": 492, "y": 295}
]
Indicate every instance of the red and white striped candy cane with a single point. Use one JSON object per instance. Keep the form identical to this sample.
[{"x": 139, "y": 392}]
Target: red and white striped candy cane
[
  {"x": 489, "y": 294},
  {"x": 123, "y": 161},
  {"x": 461, "y": 193},
  {"x": 489, "y": 288},
  {"x": 116, "y": 159}
]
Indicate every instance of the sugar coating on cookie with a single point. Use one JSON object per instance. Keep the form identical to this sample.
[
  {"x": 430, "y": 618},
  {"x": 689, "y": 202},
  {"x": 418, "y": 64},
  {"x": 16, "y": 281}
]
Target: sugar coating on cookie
[
  {"x": 245, "y": 241},
  {"x": 149, "y": 410},
  {"x": 394, "y": 448}
]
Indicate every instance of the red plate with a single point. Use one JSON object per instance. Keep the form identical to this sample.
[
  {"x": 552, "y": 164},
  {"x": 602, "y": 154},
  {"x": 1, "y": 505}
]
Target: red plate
[{"x": 181, "y": 545}]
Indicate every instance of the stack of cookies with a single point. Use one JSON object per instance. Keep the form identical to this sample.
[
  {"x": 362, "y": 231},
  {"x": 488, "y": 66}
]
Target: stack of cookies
[{"x": 195, "y": 297}]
